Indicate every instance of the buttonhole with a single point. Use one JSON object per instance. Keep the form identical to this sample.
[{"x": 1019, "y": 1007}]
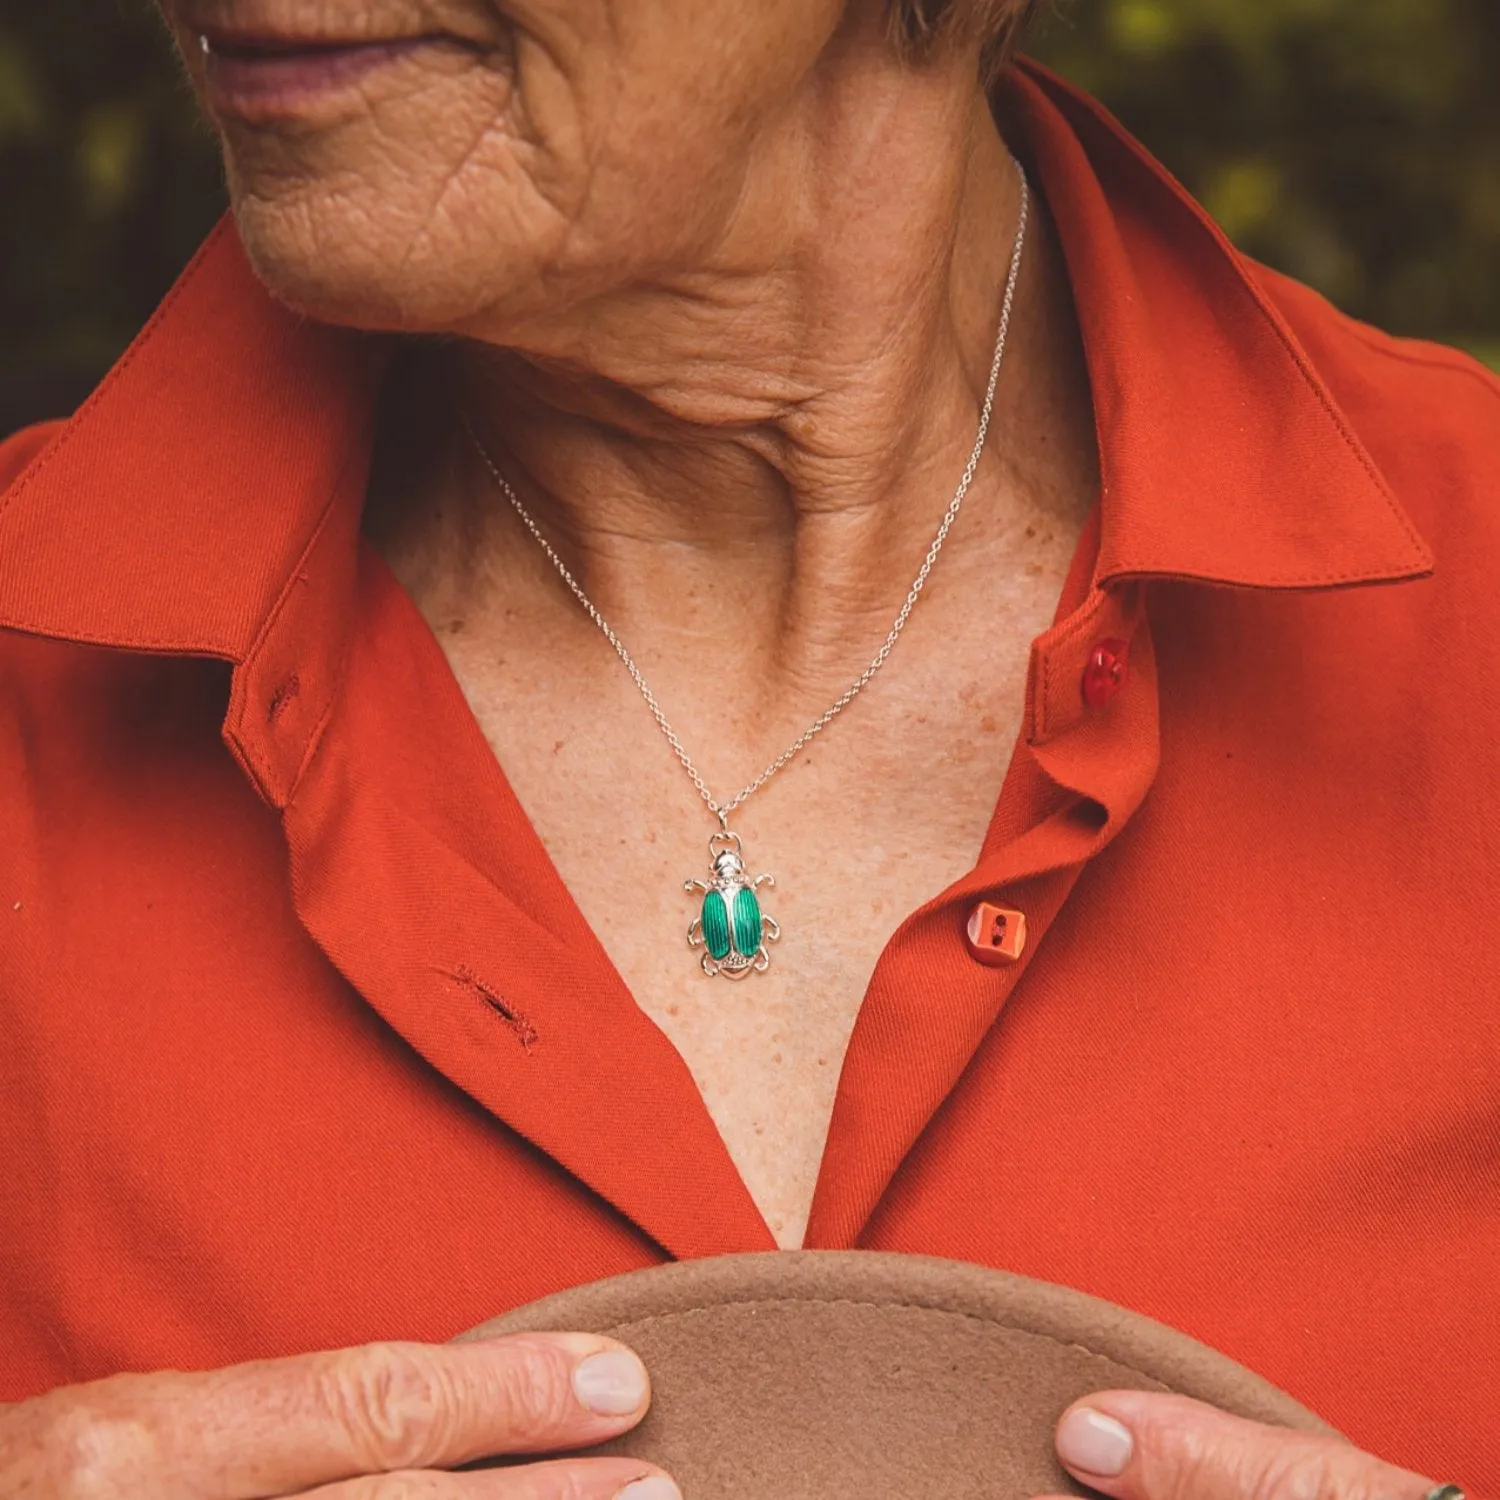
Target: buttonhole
[
  {"x": 1093, "y": 815},
  {"x": 282, "y": 697},
  {"x": 517, "y": 1020}
]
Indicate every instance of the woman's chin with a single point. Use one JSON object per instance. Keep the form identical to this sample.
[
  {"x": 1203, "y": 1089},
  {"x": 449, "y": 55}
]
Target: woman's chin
[{"x": 377, "y": 269}]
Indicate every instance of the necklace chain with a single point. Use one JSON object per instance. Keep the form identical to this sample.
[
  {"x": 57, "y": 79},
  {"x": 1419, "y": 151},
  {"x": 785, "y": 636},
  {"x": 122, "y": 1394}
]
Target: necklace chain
[{"x": 722, "y": 811}]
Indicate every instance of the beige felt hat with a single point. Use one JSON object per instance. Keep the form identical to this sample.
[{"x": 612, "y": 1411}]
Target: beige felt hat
[{"x": 814, "y": 1375}]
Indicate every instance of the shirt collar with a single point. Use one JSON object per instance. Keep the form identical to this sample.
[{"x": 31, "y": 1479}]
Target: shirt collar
[
  {"x": 173, "y": 512},
  {"x": 1224, "y": 456},
  {"x": 170, "y": 513}
]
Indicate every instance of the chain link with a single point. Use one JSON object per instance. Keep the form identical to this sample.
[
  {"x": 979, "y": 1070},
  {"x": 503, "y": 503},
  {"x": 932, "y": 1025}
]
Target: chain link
[{"x": 722, "y": 811}]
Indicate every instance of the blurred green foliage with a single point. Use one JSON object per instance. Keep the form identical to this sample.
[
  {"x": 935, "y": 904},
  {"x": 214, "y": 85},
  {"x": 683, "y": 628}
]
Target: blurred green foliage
[
  {"x": 1353, "y": 143},
  {"x": 108, "y": 180}
]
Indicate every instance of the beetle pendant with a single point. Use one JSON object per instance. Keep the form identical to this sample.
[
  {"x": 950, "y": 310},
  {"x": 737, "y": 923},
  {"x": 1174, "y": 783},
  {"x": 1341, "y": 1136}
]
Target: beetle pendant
[{"x": 731, "y": 930}]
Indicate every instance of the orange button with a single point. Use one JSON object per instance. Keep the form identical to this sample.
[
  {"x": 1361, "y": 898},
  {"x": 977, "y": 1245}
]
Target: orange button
[
  {"x": 1104, "y": 675},
  {"x": 997, "y": 935}
]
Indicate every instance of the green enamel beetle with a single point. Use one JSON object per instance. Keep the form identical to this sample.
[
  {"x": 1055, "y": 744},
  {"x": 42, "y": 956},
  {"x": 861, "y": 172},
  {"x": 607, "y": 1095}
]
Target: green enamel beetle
[{"x": 731, "y": 929}]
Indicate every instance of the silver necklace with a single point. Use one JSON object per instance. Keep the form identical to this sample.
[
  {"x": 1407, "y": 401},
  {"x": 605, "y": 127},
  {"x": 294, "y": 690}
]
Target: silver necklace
[{"x": 731, "y": 933}]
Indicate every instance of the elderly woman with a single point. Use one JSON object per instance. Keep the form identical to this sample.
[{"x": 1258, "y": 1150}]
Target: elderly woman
[{"x": 627, "y": 445}]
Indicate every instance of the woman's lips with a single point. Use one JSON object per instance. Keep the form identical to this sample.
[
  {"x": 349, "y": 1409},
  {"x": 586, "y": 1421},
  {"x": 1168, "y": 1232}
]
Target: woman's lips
[{"x": 263, "y": 78}]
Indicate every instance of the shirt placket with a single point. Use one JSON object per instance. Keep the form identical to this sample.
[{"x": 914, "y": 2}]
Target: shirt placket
[
  {"x": 417, "y": 872},
  {"x": 1088, "y": 758}
]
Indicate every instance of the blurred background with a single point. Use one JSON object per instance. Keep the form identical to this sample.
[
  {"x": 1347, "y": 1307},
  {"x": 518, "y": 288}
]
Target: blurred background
[{"x": 1352, "y": 143}]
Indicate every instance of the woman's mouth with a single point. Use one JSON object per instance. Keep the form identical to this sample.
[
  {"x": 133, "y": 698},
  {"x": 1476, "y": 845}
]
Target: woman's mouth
[{"x": 263, "y": 77}]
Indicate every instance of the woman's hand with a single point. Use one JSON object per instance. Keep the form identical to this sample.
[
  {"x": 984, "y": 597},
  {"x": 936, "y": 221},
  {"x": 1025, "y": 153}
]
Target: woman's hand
[
  {"x": 381, "y": 1422},
  {"x": 1144, "y": 1447}
]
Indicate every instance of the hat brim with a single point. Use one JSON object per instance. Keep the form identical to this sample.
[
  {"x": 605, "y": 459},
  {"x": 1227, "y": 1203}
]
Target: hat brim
[{"x": 830, "y": 1375}]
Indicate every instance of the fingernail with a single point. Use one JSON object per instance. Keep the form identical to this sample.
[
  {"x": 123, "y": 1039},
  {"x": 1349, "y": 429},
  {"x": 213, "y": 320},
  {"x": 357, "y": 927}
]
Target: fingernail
[
  {"x": 652, "y": 1487},
  {"x": 611, "y": 1384},
  {"x": 1088, "y": 1440}
]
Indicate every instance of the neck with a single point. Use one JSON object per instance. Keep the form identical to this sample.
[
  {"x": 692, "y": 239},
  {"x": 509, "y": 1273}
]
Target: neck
[{"x": 783, "y": 419}]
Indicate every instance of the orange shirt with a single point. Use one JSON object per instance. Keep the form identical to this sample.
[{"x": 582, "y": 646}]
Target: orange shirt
[{"x": 303, "y": 1042}]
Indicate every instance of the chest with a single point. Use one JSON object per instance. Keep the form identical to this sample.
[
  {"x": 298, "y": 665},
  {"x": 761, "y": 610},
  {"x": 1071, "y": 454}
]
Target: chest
[{"x": 880, "y": 815}]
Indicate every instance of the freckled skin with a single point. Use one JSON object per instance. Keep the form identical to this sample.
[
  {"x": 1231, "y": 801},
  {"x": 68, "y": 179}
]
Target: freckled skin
[{"x": 718, "y": 285}]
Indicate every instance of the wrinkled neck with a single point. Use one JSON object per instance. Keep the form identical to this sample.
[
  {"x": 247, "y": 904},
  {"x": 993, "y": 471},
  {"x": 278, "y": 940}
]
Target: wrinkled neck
[{"x": 771, "y": 436}]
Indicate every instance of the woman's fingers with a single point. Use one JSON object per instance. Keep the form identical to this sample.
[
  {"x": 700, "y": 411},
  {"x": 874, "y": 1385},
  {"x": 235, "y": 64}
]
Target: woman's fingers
[
  {"x": 558, "y": 1479},
  {"x": 279, "y": 1427},
  {"x": 1138, "y": 1446}
]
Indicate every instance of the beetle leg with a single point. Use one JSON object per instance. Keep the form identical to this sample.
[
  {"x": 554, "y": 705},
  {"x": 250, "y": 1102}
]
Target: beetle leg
[
  {"x": 770, "y": 929},
  {"x": 695, "y": 887},
  {"x": 709, "y": 966},
  {"x": 761, "y": 880},
  {"x": 695, "y": 933}
]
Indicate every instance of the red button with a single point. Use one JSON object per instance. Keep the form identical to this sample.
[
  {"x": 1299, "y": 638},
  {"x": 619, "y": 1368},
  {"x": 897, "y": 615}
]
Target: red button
[
  {"x": 1105, "y": 674},
  {"x": 997, "y": 935}
]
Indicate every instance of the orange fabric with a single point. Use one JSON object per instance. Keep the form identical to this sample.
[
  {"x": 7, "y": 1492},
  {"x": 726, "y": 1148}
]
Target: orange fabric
[{"x": 303, "y": 1042}]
